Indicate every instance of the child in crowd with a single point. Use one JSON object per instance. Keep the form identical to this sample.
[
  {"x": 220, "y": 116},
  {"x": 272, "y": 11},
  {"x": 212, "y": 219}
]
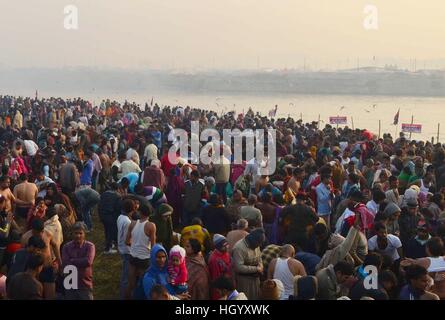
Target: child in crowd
[{"x": 177, "y": 270}]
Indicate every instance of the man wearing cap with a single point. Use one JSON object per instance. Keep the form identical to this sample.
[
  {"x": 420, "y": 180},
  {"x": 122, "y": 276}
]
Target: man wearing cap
[
  {"x": 415, "y": 247},
  {"x": 164, "y": 226},
  {"x": 247, "y": 263},
  {"x": 409, "y": 220},
  {"x": 219, "y": 261}
]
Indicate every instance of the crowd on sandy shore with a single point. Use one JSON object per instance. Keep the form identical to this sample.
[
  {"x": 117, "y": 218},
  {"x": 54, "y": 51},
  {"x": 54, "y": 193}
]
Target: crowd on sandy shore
[{"x": 345, "y": 214}]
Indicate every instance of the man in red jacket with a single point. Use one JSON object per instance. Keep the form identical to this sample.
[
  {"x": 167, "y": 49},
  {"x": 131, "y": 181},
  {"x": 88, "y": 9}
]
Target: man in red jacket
[{"x": 219, "y": 262}]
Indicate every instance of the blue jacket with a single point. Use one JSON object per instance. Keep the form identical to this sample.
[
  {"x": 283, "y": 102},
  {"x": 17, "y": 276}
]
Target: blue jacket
[
  {"x": 324, "y": 204},
  {"x": 154, "y": 274}
]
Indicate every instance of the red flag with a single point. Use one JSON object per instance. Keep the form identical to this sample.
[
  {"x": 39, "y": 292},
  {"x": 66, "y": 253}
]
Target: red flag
[{"x": 396, "y": 117}]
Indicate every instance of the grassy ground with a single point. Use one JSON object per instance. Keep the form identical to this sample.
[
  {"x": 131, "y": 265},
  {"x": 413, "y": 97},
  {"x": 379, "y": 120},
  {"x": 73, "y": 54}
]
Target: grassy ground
[{"x": 107, "y": 268}]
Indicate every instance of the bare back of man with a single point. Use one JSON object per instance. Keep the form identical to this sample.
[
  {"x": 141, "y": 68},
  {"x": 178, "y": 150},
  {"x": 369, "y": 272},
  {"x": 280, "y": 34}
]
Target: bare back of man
[{"x": 26, "y": 192}]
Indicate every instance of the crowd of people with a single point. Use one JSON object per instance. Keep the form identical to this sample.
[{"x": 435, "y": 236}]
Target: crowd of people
[{"x": 339, "y": 202}]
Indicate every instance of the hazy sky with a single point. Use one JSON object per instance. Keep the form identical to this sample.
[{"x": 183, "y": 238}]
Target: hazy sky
[{"x": 221, "y": 34}]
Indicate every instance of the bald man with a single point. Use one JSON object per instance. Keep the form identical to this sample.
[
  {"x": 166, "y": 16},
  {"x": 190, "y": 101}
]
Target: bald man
[{"x": 285, "y": 268}]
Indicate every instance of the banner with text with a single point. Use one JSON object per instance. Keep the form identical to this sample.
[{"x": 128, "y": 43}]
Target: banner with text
[
  {"x": 413, "y": 128},
  {"x": 338, "y": 120}
]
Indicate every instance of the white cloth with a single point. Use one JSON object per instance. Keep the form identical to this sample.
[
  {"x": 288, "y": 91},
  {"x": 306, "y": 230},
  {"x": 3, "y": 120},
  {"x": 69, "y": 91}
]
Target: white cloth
[
  {"x": 151, "y": 152},
  {"x": 129, "y": 166},
  {"x": 283, "y": 273},
  {"x": 140, "y": 243},
  {"x": 390, "y": 250},
  {"x": 133, "y": 155},
  {"x": 31, "y": 147},
  {"x": 123, "y": 222},
  {"x": 373, "y": 207}
]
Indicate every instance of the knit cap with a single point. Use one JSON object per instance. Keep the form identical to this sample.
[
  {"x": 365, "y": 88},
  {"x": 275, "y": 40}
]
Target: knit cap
[
  {"x": 219, "y": 241},
  {"x": 390, "y": 209}
]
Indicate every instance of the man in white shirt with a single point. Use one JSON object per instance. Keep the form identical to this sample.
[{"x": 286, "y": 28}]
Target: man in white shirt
[
  {"x": 123, "y": 222},
  {"x": 252, "y": 169},
  {"x": 378, "y": 196},
  {"x": 385, "y": 243}
]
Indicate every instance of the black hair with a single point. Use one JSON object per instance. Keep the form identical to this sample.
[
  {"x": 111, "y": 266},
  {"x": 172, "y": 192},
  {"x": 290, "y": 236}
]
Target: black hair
[
  {"x": 320, "y": 229},
  {"x": 114, "y": 186},
  {"x": 354, "y": 178},
  {"x": 195, "y": 173},
  {"x": 196, "y": 221},
  {"x": 436, "y": 198},
  {"x": 392, "y": 178},
  {"x": 139, "y": 188},
  {"x": 297, "y": 171},
  {"x": 378, "y": 195},
  {"x": 125, "y": 181},
  {"x": 36, "y": 242},
  {"x": 435, "y": 246},
  {"x": 386, "y": 262},
  {"x": 146, "y": 210},
  {"x": 127, "y": 205},
  {"x": 34, "y": 261},
  {"x": 224, "y": 283},
  {"x": 373, "y": 259},
  {"x": 51, "y": 212},
  {"x": 387, "y": 276},
  {"x": 379, "y": 226},
  {"x": 37, "y": 225},
  {"x": 414, "y": 272},
  {"x": 195, "y": 244},
  {"x": 344, "y": 268}
]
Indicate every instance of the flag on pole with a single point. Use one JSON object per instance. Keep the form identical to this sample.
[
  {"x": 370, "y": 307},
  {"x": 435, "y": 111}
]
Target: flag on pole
[
  {"x": 396, "y": 117},
  {"x": 37, "y": 94},
  {"x": 151, "y": 103},
  {"x": 273, "y": 112}
]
